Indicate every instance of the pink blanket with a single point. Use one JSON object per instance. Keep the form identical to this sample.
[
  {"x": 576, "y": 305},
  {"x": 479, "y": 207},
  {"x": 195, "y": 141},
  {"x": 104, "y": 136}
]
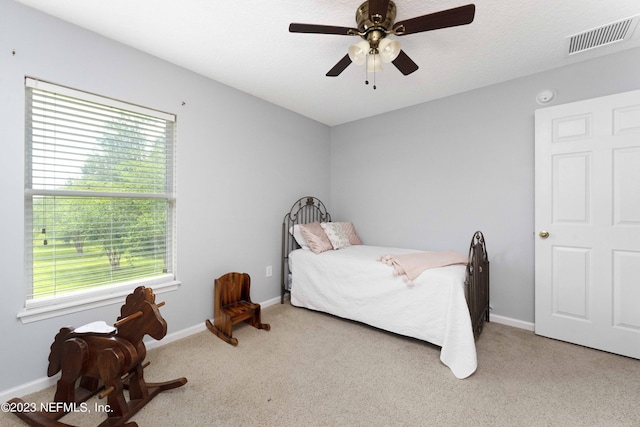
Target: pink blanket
[{"x": 409, "y": 266}]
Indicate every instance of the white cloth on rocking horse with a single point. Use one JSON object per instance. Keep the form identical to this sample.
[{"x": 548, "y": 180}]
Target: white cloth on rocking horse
[{"x": 98, "y": 327}]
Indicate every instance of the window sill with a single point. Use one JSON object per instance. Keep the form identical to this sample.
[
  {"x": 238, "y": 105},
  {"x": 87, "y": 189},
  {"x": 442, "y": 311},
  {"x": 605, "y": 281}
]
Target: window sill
[{"x": 37, "y": 310}]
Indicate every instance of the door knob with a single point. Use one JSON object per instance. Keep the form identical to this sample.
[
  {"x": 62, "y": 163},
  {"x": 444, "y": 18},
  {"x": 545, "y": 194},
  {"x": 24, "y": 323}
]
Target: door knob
[{"x": 543, "y": 234}]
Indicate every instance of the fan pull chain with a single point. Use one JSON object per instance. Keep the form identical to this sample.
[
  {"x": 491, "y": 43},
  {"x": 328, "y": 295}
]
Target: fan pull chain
[
  {"x": 374, "y": 72},
  {"x": 366, "y": 72}
]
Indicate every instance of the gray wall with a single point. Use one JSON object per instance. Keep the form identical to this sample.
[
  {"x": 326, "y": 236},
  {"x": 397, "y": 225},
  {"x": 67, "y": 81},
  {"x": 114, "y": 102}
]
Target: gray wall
[
  {"x": 237, "y": 173},
  {"x": 429, "y": 176}
]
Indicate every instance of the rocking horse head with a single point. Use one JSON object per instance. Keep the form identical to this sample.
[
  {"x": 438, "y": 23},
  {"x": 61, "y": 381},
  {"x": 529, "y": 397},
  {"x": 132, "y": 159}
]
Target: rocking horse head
[{"x": 139, "y": 316}]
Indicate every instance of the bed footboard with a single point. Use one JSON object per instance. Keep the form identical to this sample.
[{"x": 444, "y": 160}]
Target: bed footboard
[{"x": 477, "y": 283}]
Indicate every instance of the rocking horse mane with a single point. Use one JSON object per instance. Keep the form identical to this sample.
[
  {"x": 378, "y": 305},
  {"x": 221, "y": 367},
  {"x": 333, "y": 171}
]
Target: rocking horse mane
[
  {"x": 135, "y": 300},
  {"x": 142, "y": 301}
]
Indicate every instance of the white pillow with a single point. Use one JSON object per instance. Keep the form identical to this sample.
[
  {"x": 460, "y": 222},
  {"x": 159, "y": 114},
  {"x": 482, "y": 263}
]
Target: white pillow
[{"x": 296, "y": 232}]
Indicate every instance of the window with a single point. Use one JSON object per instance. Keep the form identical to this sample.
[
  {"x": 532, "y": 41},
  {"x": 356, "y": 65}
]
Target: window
[{"x": 99, "y": 199}]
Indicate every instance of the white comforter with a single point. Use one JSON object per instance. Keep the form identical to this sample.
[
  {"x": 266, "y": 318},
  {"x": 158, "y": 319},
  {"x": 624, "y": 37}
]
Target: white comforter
[{"x": 352, "y": 284}]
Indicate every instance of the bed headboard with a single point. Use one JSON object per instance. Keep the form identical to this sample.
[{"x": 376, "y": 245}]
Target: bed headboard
[{"x": 305, "y": 210}]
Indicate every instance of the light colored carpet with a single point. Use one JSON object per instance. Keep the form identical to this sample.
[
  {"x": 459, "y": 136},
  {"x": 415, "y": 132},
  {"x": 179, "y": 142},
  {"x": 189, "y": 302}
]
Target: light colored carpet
[{"x": 315, "y": 369}]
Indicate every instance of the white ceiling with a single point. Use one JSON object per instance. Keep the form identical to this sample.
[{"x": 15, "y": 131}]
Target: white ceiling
[{"x": 246, "y": 45}]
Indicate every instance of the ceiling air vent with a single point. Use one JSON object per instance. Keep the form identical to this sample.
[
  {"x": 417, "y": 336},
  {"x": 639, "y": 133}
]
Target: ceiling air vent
[{"x": 601, "y": 36}]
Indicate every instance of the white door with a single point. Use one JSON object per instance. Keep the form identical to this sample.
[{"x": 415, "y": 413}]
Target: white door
[{"x": 587, "y": 200}]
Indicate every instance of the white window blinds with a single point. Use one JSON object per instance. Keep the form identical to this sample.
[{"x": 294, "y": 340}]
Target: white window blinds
[{"x": 99, "y": 199}]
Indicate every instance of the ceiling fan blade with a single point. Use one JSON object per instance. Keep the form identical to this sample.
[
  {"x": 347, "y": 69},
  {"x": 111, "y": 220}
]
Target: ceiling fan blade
[
  {"x": 339, "y": 67},
  {"x": 322, "y": 29},
  {"x": 405, "y": 64},
  {"x": 378, "y": 7},
  {"x": 447, "y": 18}
]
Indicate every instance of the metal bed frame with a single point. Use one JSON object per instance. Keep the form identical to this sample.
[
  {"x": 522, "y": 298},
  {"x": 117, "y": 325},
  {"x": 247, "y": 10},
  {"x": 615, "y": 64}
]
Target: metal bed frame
[
  {"x": 309, "y": 209},
  {"x": 305, "y": 210}
]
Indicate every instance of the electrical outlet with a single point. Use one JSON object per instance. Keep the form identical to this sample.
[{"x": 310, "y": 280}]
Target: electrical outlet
[{"x": 269, "y": 271}]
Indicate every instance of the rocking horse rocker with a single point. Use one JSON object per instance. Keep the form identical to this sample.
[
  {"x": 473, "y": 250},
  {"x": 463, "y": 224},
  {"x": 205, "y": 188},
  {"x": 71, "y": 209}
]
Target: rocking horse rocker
[{"x": 106, "y": 362}]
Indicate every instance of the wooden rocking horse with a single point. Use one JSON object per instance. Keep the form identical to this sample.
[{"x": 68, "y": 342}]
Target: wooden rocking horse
[{"x": 106, "y": 362}]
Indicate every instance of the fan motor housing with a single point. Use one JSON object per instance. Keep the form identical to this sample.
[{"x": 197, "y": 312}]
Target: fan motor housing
[{"x": 365, "y": 24}]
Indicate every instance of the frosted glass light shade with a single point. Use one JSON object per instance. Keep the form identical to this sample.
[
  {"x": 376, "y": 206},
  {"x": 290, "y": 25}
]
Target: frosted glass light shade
[
  {"x": 358, "y": 52},
  {"x": 389, "y": 49}
]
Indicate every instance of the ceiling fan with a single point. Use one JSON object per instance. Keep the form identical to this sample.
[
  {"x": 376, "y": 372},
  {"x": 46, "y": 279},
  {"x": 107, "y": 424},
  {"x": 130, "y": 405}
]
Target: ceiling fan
[{"x": 375, "y": 21}]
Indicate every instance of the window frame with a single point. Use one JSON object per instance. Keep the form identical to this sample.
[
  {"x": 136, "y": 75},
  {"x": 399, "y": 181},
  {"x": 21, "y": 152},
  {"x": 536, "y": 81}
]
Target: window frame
[{"x": 36, "y": 309}]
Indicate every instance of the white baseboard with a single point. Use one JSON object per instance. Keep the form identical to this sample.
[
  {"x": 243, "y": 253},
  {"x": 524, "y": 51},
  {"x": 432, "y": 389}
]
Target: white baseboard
[
  {"x": 44, "y": 382},
  {"x": 272, "y": 301},
  {"x": 28, "y": 388},
  {"x": 512, "y": 322},
  {"x": 175, "y": 336}
]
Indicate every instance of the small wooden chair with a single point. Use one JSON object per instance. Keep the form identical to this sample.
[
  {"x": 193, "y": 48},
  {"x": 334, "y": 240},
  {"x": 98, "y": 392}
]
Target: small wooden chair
[{"x": 232, "y": 304}]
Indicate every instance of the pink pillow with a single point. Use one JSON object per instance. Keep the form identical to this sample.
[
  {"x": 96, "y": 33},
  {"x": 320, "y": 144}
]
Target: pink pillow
[
  {"x": 350, "y": 231},
  {"x": 316, "y": 237}
]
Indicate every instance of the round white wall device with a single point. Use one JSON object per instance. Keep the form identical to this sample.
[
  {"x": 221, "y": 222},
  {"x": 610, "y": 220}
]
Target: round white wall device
[{"x": 545, "y": 96}]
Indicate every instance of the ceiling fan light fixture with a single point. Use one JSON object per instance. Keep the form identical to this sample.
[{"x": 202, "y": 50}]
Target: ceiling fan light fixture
[
  {"x": 375, "y": 20},
  {"x": 358, "y": 52},
  {"x": 389, "y": 49}
]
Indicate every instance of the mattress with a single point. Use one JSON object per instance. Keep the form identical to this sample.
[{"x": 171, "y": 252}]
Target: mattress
[{"x": 351, "y": 283}]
